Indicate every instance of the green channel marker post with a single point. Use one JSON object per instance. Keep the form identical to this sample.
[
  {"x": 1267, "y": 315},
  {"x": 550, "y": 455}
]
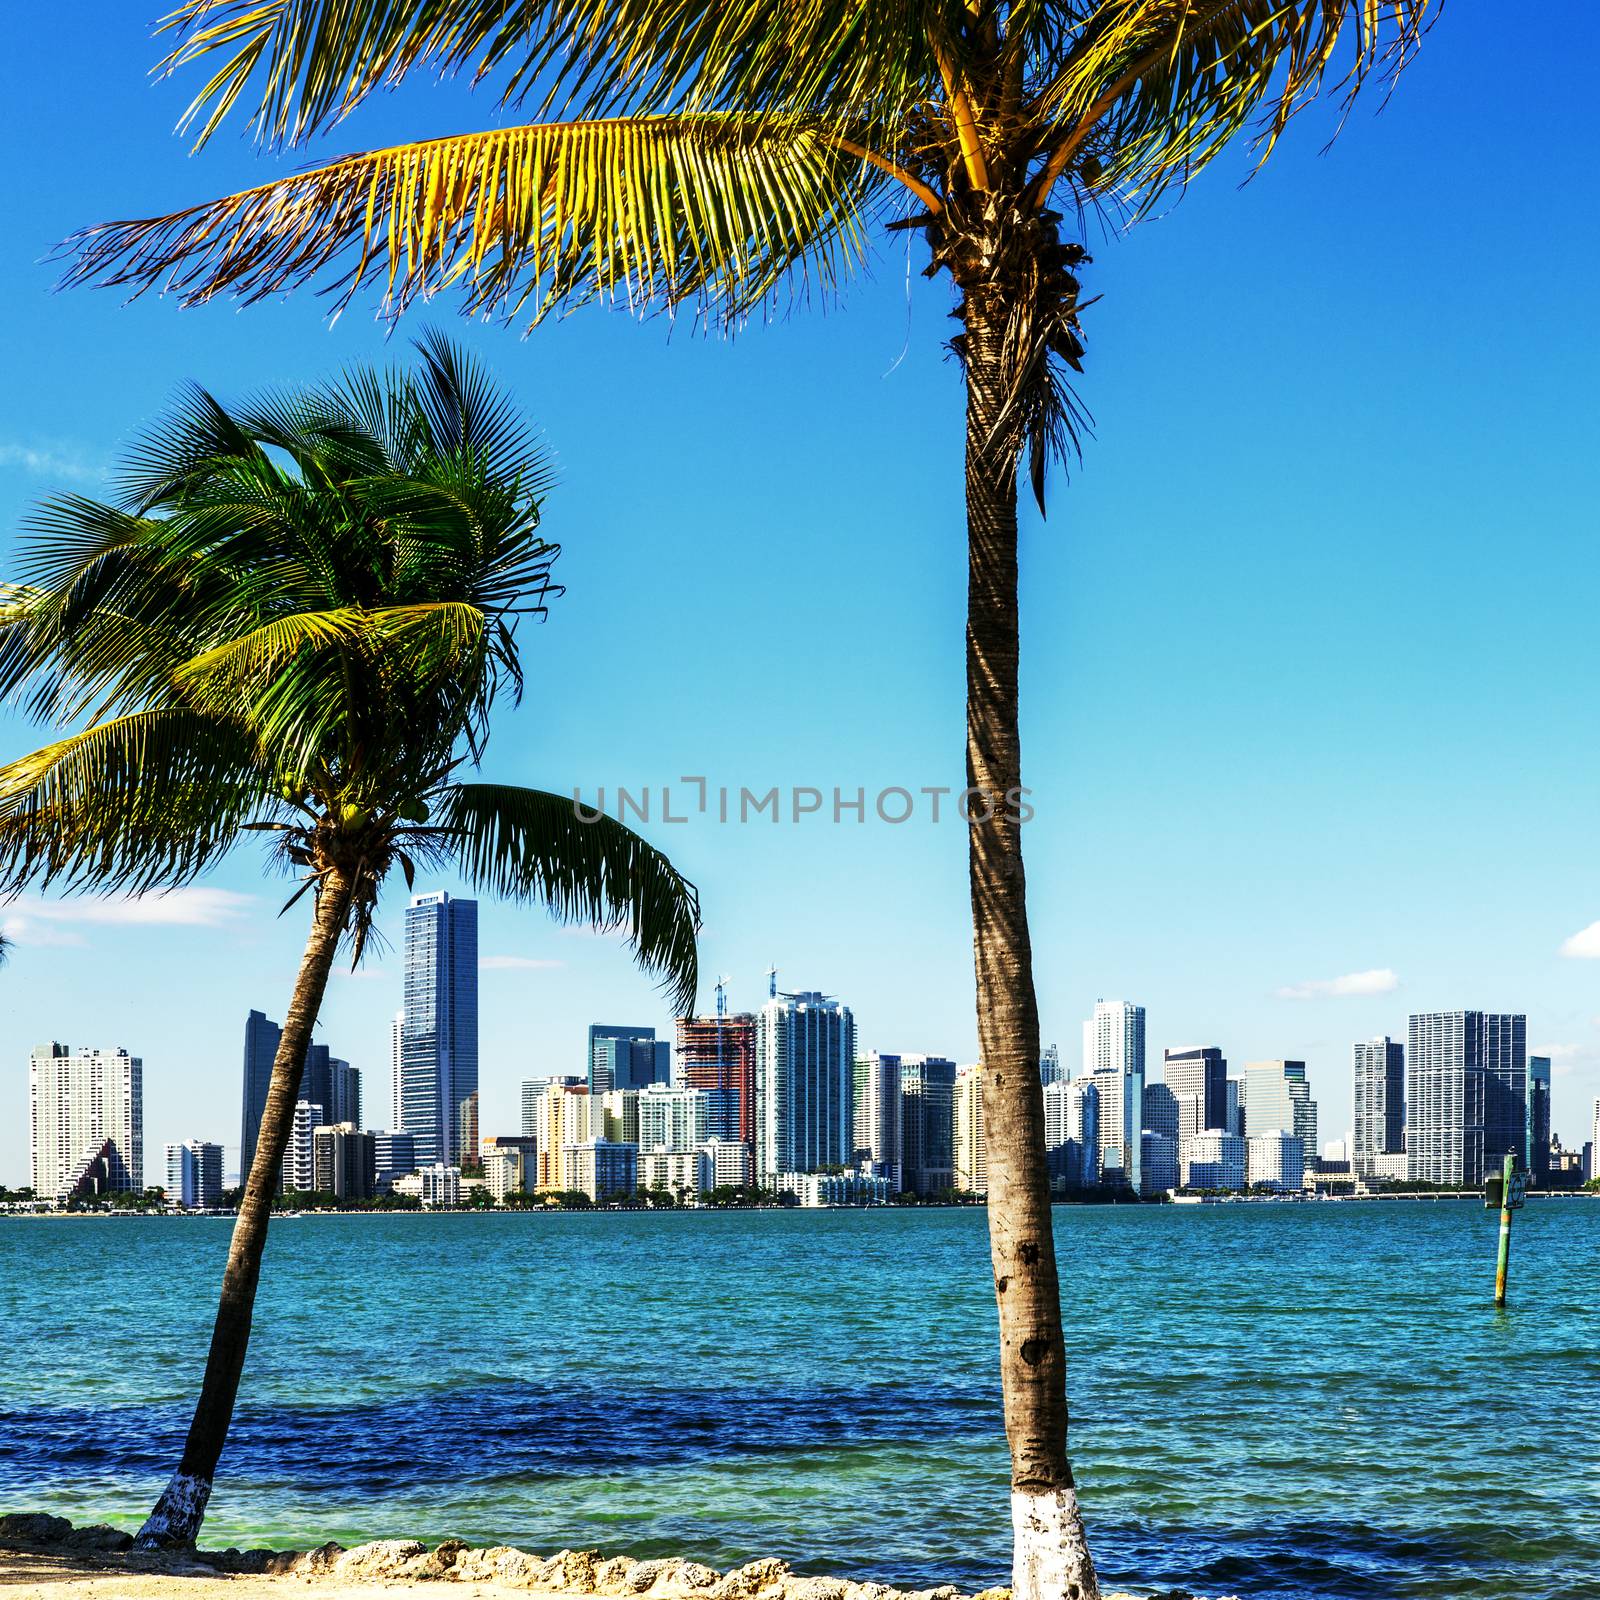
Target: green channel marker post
[{"x": 1507, "y": 1190}]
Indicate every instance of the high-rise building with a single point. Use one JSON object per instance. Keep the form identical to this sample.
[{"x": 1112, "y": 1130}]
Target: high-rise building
[
  {"x": 1274, "y": 1160},
  {"x": 668, "y": 1118},
  {"x": 1114, "y": 1055},
  {"x": 1083, "y": 1132},
  {"x": 344, "y": 1161},
  {"x": 880, "y": 1116},
  {"x": 601, "y": 1169},
  {"x": 1537, "y": 1159},
  {"x": 620, "y": 1108},
  {"x": 533, "y": 1093},
  {"x": 1235, "y": 1114},
  {"x": 927, "y": 1124},
  {"x": 394, "y": 1155},
  {"x": 85, "y": 1104},
  {"x": 1200, "y": 1075},
  {"x": 718, "y": 1054},
  {"x": 1277, "y": 1098},
  {"x": 261, "y": 1036},
  {"x": 1380, "y": 1077},
  {"x": 1050, "y": 1070},
  {"x": 1161, "y": 1111},
  {"x": 299, "y": 1154},
  {"x": 568, "y": 1116},
  {"x": 332, "y": 1084},
  {"x": 439, "y": 1046},
  {"x": 194, "y": 1175},
  {"x": 1212, "y": 1160},
  {"x": 971, "y": 1155},
  {"x": 1158, "y": 1164},
  {"x": 626, "y": 1058},
  {"x": 805, "y": 1055},
  {"x": 397, "y": 1068},
  {"x": 1466, "y": 1095}
]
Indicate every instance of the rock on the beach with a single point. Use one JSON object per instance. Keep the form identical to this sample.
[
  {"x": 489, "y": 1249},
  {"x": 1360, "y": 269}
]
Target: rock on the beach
[
  {"x": 315, "y": 1563},
  {"x": 611, "y": 1575},
  {"x": 379, "y": 1558},
  {"x": 743, "y": 1583},
  {"x": 814, "y": 1589},
  {"x": 98, "y": 1536},
  {"x": 33, "y": 1527}
]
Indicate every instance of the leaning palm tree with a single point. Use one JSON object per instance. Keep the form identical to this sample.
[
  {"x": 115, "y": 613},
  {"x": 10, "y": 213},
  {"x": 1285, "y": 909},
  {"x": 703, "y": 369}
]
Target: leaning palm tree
[
  {"x": 295, "y": 624},
  {"x": 685, "y": 153}
]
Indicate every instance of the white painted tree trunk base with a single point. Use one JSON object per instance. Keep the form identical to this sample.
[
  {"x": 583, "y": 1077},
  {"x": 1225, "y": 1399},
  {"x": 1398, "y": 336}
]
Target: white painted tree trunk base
[
  {"x": 175, "y": 1522},
  {"x": 1050, "y": 1558}
]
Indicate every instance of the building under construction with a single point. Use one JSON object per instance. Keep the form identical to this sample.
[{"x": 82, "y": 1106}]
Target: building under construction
[{"x": 719, "y": 1054}]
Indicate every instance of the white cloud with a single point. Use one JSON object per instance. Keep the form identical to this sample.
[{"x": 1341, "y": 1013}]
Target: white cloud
[
  {"x": 188, "y": 908},
  {"x": 51, "y": 461},
  {"x": 515, "y": 964},
  {"x": 1585, "y": 944},
  {"x": 1380, "y": 980}
]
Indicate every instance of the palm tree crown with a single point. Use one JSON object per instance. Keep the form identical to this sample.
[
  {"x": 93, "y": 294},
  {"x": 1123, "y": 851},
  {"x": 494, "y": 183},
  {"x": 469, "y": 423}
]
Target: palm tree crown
[{"x": 296, "y": 621}]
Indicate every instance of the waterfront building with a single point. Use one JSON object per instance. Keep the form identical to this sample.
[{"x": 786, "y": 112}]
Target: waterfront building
[
  {"x": 1537, "y": 1159},
  {"x": 1388, "y": 1168},
  {"x": 439, "y": 1034},
  {"x": 1114, "y": 1055},
  {"x": 1198, "y": 1076},
  {"x": 568, "y": 1116},
  {"x": 1466, "y": 1094},
  {"x": 1158, "y": 1164},
  {"x": 620, "y": 1108},
  {"x": 1161, "y": 1111},
  {"x": 394, "y": 1156},
  {"x": 626, "y": 1058},
  {"x": 1234, "y": 1121},
  {"x": 679, "y": 1172},
  {"x": 439, "y": 1186},
  {"x": 1274, "y": 1160},
  {"x": 927, "y": 1124},
  {"x": 971, "y": 1158},
  {"x": 194, "y": 1175},
  {"x": 298, "y": 1169},
  {"x": 718, "y": 1054},
  {"x": 600, "y": 1168},
  {"x": 261, "y": 1036},
  {"x": 533, "y": 1093},
  {"x": 804, "y": 1084},
  {"x": 670, "y": 1119},
  {"x": 1083, "y": 1133},
  {"x": 505, "y": 1170},
  {"x": 1380, "y": 1102},
  {"x": 1057, "y": 1151},
  {"x": 85, "y": 1107},
  {"x": 344, "y": 1161},
  {"x": 879, "y": 1116},
  {"x": 1277, "y": 1095},
  {"x": 1212, "y": 1160},
  {"x": 726, "y": 1164},
  {"x": 835, "y": 1188}
]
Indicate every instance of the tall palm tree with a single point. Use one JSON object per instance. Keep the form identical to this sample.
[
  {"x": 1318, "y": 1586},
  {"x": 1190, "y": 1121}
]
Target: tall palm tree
[
  {"x": 686, "y": 152},
  {"x": 295, "y": 624}
]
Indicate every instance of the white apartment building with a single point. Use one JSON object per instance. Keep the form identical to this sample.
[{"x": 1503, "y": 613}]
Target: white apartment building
[
  {"x": 879, "y": 1114},
  {"x": 81, "y": 1102},
  {"x": 972, "y": 1162},
  {"x": 671, "y": 1119},
  {"x": 1113, "y": 1054},
  {"x": 194, "y": 1175},
  {"x": 1212, "y": 1160},
  {"x": 1275, "y": 1160},
  {"x": 299, "y": 1155},
  {"x": 835, "y": 1188}
]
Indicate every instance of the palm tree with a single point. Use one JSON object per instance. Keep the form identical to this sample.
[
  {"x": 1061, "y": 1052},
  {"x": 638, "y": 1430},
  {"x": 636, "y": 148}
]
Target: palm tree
[
  {"x": 691, "y": 153},
  {"x": 295, "y": 623}
]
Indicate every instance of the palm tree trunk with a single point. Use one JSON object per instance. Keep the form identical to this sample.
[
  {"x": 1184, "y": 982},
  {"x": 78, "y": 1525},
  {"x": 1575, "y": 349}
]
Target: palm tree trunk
[
  {"x": 176, "y": 1519},
  {"x": 1050, "y": 1554}
]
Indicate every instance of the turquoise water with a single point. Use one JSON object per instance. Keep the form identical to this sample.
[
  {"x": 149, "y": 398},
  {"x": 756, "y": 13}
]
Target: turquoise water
[{"x": 1275, "y": 1401}]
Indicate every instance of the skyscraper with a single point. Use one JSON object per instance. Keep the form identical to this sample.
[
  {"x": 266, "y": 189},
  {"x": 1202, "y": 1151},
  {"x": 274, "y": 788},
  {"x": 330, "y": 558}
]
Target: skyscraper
[
  {"x": 1083, "y": 1132},
  {"x": 1538, "y": 1155},
  {"x": 1466, "y": 1094},
  {"x": 1161, "y": 1112},
  {"x": 82, "y": 1104},
  {"x": 439, "y": 1048},
  {"x": 1278, "y": 1100},
  {"x": 194, "y": 1175},
  {"x": 1113, "y": 1044},
  {"x": 261, "y": 1036},
  {"x": 626, "y": 1058},
  {"x": 805, "y": 1055},
  {"x": 879, "y": 1116},
  {"x": 1050, "y": 1066},
  {"x": 972, "y": 1159},
  {"x": 927, "y": 1123},
  {"x": 1380, "y": 1129},
  {"x": 1201, "y": 1075},
  {"x": 299, "y": 1154},
  {"x": 397, "y": 1068},
  {"x": 718, "y": 1054},
  {"x": 668, "y": 1118}
]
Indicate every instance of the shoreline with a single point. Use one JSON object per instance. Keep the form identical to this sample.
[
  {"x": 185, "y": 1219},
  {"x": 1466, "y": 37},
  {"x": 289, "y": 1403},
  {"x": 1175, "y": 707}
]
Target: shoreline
[{"x": 44, "y": 1557}]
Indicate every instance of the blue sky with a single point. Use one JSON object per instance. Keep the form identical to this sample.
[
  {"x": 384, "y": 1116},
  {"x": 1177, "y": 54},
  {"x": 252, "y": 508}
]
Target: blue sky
[{"x": 1309, "y": 654}]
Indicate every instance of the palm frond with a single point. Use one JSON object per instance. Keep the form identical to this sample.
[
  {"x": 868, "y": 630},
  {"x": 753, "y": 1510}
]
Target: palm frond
[
  {"x": 140, "y": 802},
  {"x": 529, "y": 846},
  {"x": 649, "y": 211}
]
